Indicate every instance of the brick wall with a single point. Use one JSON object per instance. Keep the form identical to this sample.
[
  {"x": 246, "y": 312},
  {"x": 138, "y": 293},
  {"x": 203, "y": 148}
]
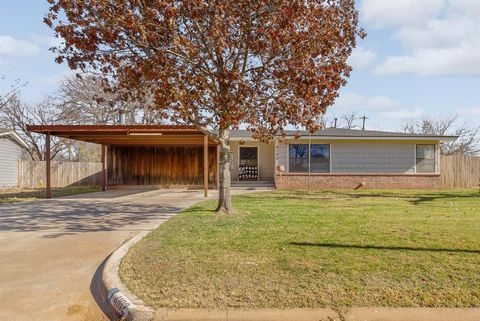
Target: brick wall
[{"x": 347, "y": 181}]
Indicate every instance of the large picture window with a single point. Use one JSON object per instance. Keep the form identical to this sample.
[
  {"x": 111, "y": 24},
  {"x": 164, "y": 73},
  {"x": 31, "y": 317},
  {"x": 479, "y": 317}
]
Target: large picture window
[
  {"x": 426, "y": 159},
  {"x": 298, "y": 158}
]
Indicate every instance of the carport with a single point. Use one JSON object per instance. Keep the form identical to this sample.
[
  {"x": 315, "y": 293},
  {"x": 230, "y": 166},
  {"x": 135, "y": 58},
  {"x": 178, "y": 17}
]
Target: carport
[{"x": 148, "y": 155}]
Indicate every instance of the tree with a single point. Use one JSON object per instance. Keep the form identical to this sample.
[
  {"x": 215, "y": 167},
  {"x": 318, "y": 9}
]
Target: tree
[
  {"x": 17, "y": 115},
  {"x": 85, "y": 100},
  {"x": 216, "y": 64},
  {"x": 349, "y": 120},
  {"x": 466, "y": 143}
]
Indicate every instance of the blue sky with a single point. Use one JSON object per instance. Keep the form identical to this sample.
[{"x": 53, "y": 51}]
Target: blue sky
[{"x": 420, "y": 58}]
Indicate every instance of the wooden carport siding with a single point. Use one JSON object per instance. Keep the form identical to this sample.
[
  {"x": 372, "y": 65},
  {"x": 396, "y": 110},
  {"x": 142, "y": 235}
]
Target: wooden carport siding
[{"x": 162, "y": 155}]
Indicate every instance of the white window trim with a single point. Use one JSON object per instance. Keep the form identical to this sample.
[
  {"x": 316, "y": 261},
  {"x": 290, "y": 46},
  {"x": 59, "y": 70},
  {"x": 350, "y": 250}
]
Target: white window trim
[{"x": 437, "y": 158}]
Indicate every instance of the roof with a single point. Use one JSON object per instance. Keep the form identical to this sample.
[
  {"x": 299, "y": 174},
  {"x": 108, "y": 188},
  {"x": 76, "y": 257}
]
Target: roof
[
  {"x": 13, "y": 136},
  {"x": 190, "y": 135},
  {"x": 127, "y": 135},
  {"x": 343, "y": 133}
]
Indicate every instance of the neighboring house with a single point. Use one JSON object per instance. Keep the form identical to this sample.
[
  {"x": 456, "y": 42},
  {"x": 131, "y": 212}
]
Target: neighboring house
[
  {"x": 169, "y": 156},
  {"x": 11, "y": 149}
]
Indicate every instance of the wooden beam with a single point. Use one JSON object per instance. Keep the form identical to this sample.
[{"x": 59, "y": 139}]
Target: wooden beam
[
  {"x": 205, "y": 165},
  {"x": 48, "y": 179},
  {"x": 104, "y": 171}
]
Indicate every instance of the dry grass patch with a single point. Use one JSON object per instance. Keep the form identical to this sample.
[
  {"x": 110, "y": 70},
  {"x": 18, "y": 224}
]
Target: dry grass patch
[
  {"x": 326, "y": 249},
  {"x": 12, "y": 195}
]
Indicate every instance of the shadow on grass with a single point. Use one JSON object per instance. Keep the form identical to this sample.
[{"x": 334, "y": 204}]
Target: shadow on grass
[
  {"x": 390, "y": 248},
  {"x": 413, "y": 197}
]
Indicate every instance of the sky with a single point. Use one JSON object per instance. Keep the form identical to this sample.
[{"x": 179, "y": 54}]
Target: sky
[{"x": 419, "y": 59}]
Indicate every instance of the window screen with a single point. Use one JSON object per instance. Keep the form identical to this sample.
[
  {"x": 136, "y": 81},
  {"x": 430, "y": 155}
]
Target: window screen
[
  {"x": 426, "y": 159},
  {"x": 319, "y": 161}
]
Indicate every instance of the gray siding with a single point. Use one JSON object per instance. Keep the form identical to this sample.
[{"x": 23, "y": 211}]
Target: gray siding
[
  {"x": 377, "y": 157},
  {"x": 362, "y": 157},
  {"x": 10, "y": 154},
  {"x": 265, "y": 159}
]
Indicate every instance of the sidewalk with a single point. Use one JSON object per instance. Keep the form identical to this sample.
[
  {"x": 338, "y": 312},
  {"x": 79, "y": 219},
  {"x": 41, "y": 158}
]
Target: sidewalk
[{"x": 354, "y": 314}]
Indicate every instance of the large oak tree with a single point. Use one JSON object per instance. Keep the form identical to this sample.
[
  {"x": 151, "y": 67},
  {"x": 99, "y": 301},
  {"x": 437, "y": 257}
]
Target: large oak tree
[{"x": 219, "y": 64}]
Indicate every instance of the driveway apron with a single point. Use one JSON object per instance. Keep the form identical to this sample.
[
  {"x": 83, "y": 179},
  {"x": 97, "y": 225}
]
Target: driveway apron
[{"x": 51, "y": 251}]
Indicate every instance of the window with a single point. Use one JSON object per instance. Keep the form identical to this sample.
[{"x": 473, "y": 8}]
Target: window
[
  {"x": 425, "y": 159},
  {"x": 319, "y": 161}
]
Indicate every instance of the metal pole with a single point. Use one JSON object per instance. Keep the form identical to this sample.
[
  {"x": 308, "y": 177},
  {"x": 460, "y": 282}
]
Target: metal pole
[{"x": 309, "y": 160}]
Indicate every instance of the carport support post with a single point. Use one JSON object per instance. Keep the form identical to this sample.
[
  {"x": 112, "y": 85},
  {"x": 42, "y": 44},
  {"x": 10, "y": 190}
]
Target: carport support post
[
  {"x": 48, "y": 183},
  {"x": 104, "y": 172},
  {"x": 205, "y": 165}
]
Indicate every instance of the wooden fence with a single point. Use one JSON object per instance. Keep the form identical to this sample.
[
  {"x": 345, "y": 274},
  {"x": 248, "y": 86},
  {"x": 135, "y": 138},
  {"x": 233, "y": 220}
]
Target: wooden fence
[
  {"x": 460, "y": 171},
  {"x": 32, "y": 174}
]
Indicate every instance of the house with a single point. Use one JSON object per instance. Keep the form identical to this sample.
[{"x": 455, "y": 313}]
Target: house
[
  {"x": 11, "y": 150},
  {"x": 172, "y": 156}
]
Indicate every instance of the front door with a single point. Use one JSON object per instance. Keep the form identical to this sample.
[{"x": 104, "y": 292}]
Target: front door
[{"x": 248, "y": 163}]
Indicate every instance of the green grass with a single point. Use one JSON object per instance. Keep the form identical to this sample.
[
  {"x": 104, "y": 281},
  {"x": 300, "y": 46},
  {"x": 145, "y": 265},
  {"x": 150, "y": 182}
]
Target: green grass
[
  {"x": 12, "y": 195},
  {"x": 326, "y": 249}
]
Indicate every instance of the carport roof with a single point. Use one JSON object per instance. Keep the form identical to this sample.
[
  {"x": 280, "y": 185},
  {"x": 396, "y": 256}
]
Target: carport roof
[{"x": 126, "y": 135}]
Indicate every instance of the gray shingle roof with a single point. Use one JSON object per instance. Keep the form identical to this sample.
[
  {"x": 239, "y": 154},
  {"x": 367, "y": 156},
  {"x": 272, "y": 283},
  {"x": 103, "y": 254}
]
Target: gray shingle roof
[{"x": 347, "y": 133}]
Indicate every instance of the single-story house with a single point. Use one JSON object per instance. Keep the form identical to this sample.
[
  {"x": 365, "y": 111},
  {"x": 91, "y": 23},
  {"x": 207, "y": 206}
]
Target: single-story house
[
  {"x": 168, "y": 156},
  {"x": 11, "y": 151}
]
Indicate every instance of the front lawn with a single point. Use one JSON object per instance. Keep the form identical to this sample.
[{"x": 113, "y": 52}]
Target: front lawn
[
  {"x": 327, "y": 249},
  {"x": 12, "y": 195}
]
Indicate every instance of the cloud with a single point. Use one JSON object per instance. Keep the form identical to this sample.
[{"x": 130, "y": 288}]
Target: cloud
[
  {"x": 376, "y": 107},
  {"x": 46, "y": 40},
  {"x": 11, "y": 47},
  {"x": 362, "y": 58},
  {"x": 403, "y": 114},
  {"x": 393, "y": 13},
  {"x": 351, "y": 100},
  {"x": 54, "y": 79},
  {"x": 462, "y": 61},
  {"x": 443, "y": 41},
  {"x": 469, "y": 112}
]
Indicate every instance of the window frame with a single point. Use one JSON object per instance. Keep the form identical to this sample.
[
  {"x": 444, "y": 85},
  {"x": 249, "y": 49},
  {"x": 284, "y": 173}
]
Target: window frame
[
  {"x": 435, "y": 158},
  {"x": 309, "y": 155}
]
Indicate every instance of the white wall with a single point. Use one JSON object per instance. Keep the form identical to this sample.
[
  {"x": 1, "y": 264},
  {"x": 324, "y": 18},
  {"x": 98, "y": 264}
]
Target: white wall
[{"x": 10, "y": 154}]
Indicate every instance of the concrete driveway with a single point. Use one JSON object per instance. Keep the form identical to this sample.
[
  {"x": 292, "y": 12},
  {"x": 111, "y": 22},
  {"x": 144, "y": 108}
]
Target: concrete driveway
[{"x": 51, "y": 251}]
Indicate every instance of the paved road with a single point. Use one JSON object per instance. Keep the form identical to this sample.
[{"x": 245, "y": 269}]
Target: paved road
[{"x": 51, "y": 251}]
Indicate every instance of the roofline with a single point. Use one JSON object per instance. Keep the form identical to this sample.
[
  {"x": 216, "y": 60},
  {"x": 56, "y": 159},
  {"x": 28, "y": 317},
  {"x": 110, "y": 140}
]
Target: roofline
[
  {"x": 16, "y": 138},
  {"x": 119, "y": 128},
  {"x": 373, "y": 138}
]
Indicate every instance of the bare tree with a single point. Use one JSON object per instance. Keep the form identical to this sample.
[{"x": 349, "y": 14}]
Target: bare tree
[
  {"x": 349, "y": 121},
  {"x": 85, "y": 100},
  {"x": 11, "y": 92},
  {"x": 17, "y": 115},
  {"x": 466, "y": 143}
]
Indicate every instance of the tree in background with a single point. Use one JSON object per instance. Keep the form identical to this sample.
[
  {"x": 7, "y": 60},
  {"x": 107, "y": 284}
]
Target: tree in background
[
  {"x": 85, "y": 100},
  {"x": 216, "y": 64},
  {"x": 17, "y": 115},
  {"x": 466, "y": 144}
]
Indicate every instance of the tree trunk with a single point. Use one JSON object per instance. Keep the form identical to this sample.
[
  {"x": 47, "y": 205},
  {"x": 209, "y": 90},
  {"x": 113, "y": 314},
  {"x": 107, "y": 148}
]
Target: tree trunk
[{"x": 224, "y": 195}]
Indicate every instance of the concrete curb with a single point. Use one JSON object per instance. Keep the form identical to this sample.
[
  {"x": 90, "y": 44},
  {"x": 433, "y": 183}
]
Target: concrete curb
[{"x": 120, "y": 297}]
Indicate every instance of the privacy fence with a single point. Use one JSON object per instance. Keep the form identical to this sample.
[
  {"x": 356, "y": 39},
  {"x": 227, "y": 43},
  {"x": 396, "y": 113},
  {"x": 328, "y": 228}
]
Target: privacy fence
[
  {"x": 457, "y": 172},
  {"x": 460, "y": 171},
  {"x": 32, "y": 174}
]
